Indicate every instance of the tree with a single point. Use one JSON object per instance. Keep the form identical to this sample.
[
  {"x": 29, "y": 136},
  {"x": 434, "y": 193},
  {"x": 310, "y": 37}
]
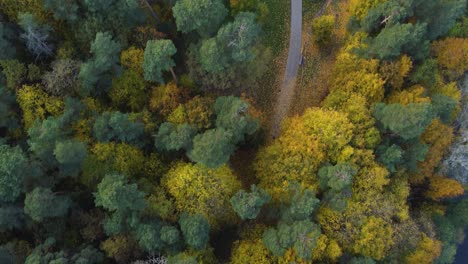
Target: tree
[
  {"x": 166, "y": 98},
  {"x": 170, "y": 235},
  {"x": 119, "y": 247},
  {"x": 390, "y": 156},
  {"x": 105, "y": 52},
  {"x": 43, "y": 137},
  {"x": 129, "y": 91},
  {"x": 114, "y": 193},
  {"x": 203, "y": 16},
  {"x": 306, "y": 142},
  {"x": 212, "y": 148},
  {"x": 149, "y": 236},
  {"x": 406, "y": 121},
  {"x": 13, "y": 171},
  {"x": 248, "y": 205},
  {"x": 42, "y": 203},
  {"x": 199, "y": 189},
  {"x": 35, "y": 35},
  {"x": 250, "y": 251},
  {"x": 197, "y": 112},
  {"x": 195, "y": 229},
  {"x": 322, "y": 29},
  {"x": 174, "y": 137},
  {"x": 427, "y": 251},
  {"x": 70, "y": 154},
  {"x": 8, "y": 116},
  {"x": 300, "y": 235},
  {"x": 11, "y": 217},
  {"x": 157, "y": 58},
  {"x": 116, "y": 126},
  {"x": 6, "y": 46},
  {"x": 36, "y": 104},
  {"x": 232, "y": 114},
  {"x": 374, "y": 238},
  {"x": 336, "y": 177},
  {"x": 63, "y": 79},
  {"x": 301, "y": 206},
  {"x": 441, "y": 188},
  {"x": 393, "y": 40},
  {"x": 88, "y": 254},
  {"x": 451, "y": 56},
  {"x": 64, "y": 10},
  {"x": 233, "y": 44},
  {"x": 15, "y": 72}
]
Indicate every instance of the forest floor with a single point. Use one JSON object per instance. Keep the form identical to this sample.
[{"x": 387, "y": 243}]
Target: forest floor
[
  {"x": 299, "y": 39},
  {"x": 315, "y": 74}
]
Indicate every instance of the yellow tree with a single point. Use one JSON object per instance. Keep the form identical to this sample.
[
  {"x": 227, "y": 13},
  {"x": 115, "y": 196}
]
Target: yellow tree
[
  {"x": 452, "y": 56},
  {"x": 394, "y": 72},
  {"x": 306, "y": 141},
  {"x": 414, "y": 94},
  {"x": 440, "y": 137},
  {"x": 374, "y": 238},
  {"x": 426, "y": 252},
  {"x": 37, "y": 104},
  {"x": 199, "y": 189},
  {"x": 441, "y": 188}
]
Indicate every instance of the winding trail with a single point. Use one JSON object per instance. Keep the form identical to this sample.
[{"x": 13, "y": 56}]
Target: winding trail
[{"x": 286, "y": 93}]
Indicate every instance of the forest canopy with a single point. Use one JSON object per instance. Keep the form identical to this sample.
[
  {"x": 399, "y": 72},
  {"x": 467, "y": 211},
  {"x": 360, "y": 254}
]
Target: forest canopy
[{"x": 140, "y": 131}]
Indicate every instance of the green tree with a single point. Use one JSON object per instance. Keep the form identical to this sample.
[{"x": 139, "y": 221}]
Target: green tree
[
  {"x": 157, "y": 58},
  {"x": 42, "y": 203},
  {"x": 43, "y": 136},
  {"x": 170, "y": 235},
  {"x": 63, "y": 10},
  {"x": 87, "y": 255},
  {"x": 248, "y": 205},
  {"x": 390, "y": 156},
  {"x": 116, "y": 126},
  {"x": 149, "y": 236},
  {"x": 204, "y": 16},
  {"x": 6, "y": 45},
  {"x": 195, "y": 229},
  {"x": 303, "y": 203},
  {"x": 114, "y": 193},
  {"x": 174, "y": 137},
  {"x": 232, "y": 114},
  {"x": 70, "y": 154},
  {"x": 212, "y": 148},
  {"x": 233, "y": 44},
  {"x": 444, "y": 107},
  {"x": 394, "y": 40},
  {"x": 407, "y": 121},
  {"x": 11, "y": 217},
  {"x": 336, "y": 177},
  {"x": 8, "y": 116},
  {"x": 322, "y": 29},
  {"x": 13, "y": 170},
  {"x": 302, "y": 236},
  {"x": 105, "y": 52}
]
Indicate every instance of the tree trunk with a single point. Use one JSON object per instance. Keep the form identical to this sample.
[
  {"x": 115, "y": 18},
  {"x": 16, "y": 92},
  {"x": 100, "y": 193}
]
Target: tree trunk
[
  {"x": 174, "y": 76},
  {"x": 152, "y": 11}
]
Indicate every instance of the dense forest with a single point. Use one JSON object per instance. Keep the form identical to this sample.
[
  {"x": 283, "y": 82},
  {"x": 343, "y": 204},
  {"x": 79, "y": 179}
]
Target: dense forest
[{"x": 139, "y": 131}]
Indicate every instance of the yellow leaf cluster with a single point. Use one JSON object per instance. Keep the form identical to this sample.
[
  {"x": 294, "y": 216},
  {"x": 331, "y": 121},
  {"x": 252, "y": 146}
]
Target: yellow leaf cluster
[
  {"x": 199, "y": 189},
  {"x": 441, "y": 188},
  {"x": 307, "y": 141},
  {"x": 132, "y": 58},
  {"x": 426, "y": 252},
  {"x": 452, "y": 55},
  {"x": 374, "y": 238},
  {"x": 414, "y": 94},
  {"x": 360, "y": 8},
  {"x": 250, "y": 252},
  {"x": 37, "y": 104}
]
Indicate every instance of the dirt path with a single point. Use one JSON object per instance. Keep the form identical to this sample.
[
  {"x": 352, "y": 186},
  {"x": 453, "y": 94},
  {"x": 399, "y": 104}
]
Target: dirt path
[
  {"x": 286, "y": 93},
  {"x": 292, "y": 67}
]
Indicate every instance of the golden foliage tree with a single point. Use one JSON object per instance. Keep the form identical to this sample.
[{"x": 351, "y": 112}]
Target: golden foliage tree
[{"x": 199, "y": 189}]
